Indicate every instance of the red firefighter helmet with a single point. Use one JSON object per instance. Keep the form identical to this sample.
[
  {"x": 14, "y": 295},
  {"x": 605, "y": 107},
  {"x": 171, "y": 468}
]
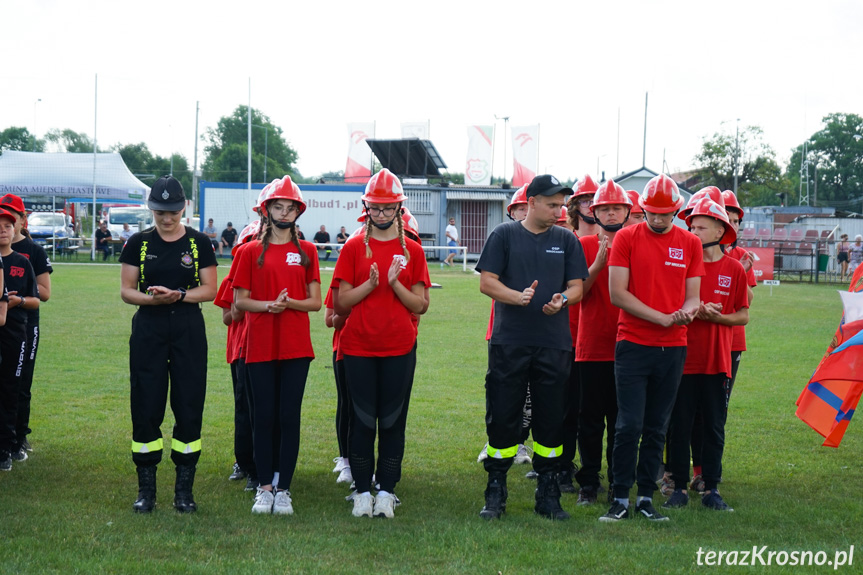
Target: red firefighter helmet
[
  {"x": 711, "y": 192},
  {"x": 609, "y": 194},
  {"x": 518, "y": 198},
  {"x": 384, "y": 188},
  {"x": 731, "y": 203},
  {"x": 263, "y": 195},
  {"x": 562, "y": 219},
  {"x": 633, "y": 198},
  {"x": 585, "y": 187},
  {"x": 284, "y": 189},
  {"x": 411, "y": 225},
  {"x": 248, "y": 234},
  {"x": 661, "y": 196},
  {"x": 707, "y": 207}
]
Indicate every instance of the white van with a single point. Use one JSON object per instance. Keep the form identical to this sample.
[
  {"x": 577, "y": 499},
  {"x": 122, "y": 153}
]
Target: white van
[{"x": 138, "y": 217}]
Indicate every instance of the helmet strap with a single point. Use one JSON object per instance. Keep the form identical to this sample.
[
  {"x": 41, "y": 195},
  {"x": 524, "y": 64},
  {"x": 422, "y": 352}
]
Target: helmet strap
[
  {"x": 709, "y": 245},
  {"x": 587, "y": 219}
]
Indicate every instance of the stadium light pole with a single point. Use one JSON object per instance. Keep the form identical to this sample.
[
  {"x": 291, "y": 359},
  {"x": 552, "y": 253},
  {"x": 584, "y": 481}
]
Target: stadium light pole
[
  {"x": 266, "y": 151},
  {"x": 505, "y": 124},
  {"x": 34, "y": 121}
]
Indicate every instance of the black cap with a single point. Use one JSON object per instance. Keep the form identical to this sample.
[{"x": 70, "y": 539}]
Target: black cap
[
  {"x": 167, "y": 195},
  {"x": 230, "y": 224},
  {"x": 546, "y": 185}
]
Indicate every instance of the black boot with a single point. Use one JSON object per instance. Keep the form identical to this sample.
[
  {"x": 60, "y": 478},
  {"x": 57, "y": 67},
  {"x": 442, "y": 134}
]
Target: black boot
[
  {"x": 548, "y": 497},
  {"x": 183, "y": 500},
  {"x": 564, "y": 479},
  {"x": 495, "y": 497},
  {"x": 146, "y": 489}
]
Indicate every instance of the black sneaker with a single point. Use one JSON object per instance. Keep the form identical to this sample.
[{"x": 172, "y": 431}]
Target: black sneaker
[
  {"x": 237, "y": 473},
  {"x": 252, "y": 484},
  {"x": 617, "y": 512},
  {"x": 714, "y": 501},
  {"x": 5, "y": 462},
  {"x": 19, "y": 455},
  {"x": 646, "y": 509},
  {"x": 587, "y": 495},
  {"x": 678, "y": 499},
  {"x": 26, "y": 445}
]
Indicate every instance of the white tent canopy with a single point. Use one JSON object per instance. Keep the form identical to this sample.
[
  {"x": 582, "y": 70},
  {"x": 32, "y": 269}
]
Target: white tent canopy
[{"x": 70, "y": 175}]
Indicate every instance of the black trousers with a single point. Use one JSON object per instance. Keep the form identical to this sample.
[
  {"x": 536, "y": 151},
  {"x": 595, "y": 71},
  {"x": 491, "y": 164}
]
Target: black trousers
[
  {"x": 379, "y": 390},
  {"x": 343, "y": 407},
  {"x": 598, "y": 414},
  {"x": 709, "y": 395},
  {"x": 25, "y": 385},
  {"x": 698, "y": 426},
  {"x": 243, "y": 443},
  {"x": 571, "y": 414},
  {"x": 167, "y": 342},
  {"x": 646, "y": 379},
  {"x": 13, "y": 348},
  {"x": 278, "y": 388},
  {"x": 510, "y": 368}
]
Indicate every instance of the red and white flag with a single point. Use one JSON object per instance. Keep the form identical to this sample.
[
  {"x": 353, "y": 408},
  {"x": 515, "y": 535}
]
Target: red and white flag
[
  {"x": 525, "y": 146},
  {"x": 359, "y": 167},
  {"x": 477, "y": 171}
]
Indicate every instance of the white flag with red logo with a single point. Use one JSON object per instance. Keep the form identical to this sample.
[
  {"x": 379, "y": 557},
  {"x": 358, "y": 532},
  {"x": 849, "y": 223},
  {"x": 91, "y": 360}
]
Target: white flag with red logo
[
  {"x": 359, "y": 167},
  {"x": 477, "y": 172},
  {"x": 415, "y": 130},
  {"x": 525, "y": 145}
]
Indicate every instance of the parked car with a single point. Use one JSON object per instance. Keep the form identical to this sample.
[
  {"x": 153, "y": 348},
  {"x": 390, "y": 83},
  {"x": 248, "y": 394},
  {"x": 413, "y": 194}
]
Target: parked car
[
  {"x": 44, "y": 226},
  {"x": 139, "y": 218}
]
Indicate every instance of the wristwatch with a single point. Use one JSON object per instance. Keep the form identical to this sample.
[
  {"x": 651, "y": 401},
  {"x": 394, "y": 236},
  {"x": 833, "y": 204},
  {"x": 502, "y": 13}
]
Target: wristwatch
[
  {"x": 182, "y": 294},
  {"x": 565, "y": 299}
]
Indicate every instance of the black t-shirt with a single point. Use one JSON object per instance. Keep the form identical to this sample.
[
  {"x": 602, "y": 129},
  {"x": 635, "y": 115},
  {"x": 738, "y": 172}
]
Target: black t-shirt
[
  {"x": 322, "y": 238},
  {"x": 100, "y": 235},
  {"x": 519, "y": 257},
  {"x": 40, "y": 262},
  {"x": 230, "y": 236},
  {"x": 5, "y": 295},
  {"x": 18, "y": 276},
  {"x": 342, "y": 237},
  {"x": 168, "y": 264}
]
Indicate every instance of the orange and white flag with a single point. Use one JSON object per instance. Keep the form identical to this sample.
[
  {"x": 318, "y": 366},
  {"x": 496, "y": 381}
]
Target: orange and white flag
[{"x": 359, "y": 166}]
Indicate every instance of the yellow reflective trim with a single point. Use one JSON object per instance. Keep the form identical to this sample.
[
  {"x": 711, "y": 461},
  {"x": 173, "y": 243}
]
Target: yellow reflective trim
[
  {"x": 181, "y": 447},
  {"x": 496, "y": 453},
  {"x": 147, "y": 447},
  {"x": 547, "y": 452}
]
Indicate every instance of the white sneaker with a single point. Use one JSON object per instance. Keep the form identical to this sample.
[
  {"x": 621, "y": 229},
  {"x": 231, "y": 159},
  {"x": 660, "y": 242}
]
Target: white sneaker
[
  {"x": 522, "y": 456},
  {"x": 363, "y": 503},
  {"x": 483, "y": 455},
  {"x": 345, "y": 476},
  {"x": 263, "y": 501},
  {"x": 340, "y": 464},
  {"x": 282, "y": 503},
  {"x": 385, "y": 504}
]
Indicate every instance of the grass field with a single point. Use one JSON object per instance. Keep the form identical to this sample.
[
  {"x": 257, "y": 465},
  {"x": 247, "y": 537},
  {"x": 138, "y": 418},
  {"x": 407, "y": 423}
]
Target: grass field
[{"x": 68, "y": 508}]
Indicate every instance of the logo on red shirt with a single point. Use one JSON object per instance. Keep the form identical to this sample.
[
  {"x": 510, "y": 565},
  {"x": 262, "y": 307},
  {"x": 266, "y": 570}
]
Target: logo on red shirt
[
  {"x": 293, "y": 259},
  {"x": 724, "y": 281},
  {"x": 675, "y": 253},
  {"x": 16, "y": 272},
  {"x": 403, "y": 263}
]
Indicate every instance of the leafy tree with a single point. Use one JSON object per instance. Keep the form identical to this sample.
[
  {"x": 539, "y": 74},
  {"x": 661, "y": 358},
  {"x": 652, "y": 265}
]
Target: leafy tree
[
  {"x": 759, "y": 177},
  {"x": 20, "y": 140},
  {"x": 148, "y": 167},
  {"x": 835, "y": 162},
  {"x": 69, "y": 141},
  {"x": 226, "y": 157}
]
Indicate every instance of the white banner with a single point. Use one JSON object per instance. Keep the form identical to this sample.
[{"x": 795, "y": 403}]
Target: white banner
[
  {"x": 359, "y": 166},
  {"x": 415, "y": 130},
  {"x": 525, "y": 147},
  {"x": 477, "y": 171}
]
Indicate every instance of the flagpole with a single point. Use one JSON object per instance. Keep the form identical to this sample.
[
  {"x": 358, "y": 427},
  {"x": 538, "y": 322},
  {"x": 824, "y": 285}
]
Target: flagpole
[
  {"x": 249, "y": 145},
  {"x": 95, "y": 128}
]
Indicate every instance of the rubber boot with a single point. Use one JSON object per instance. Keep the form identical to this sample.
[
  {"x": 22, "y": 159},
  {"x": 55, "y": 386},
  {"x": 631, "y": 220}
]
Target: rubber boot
[
  {"x": 548, "y": 497},
  {"x": 495, "y": 497},
  {"x": 183, "y": 500},
  {"x": 146, "y": 489}
]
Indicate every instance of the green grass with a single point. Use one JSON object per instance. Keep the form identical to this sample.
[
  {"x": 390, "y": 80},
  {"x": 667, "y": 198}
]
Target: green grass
[{"x": 68, "y": 508}]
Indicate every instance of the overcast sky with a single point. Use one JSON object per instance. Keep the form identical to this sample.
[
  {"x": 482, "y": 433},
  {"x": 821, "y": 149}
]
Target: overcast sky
[{"x": 315, "y": 66}]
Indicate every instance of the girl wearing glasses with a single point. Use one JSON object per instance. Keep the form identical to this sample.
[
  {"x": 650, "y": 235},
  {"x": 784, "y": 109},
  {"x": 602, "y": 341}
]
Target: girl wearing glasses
[
  {"x": 382, "y": 280},
  {"x": 277, "y": 282}
]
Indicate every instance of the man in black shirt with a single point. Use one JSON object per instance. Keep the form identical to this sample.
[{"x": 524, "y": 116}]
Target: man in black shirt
[
  {"x": 323, "y": 237},
  {"x": 103, "y": 240},
  {"x": 229, "y": 236},
  {"x": 532, "y": 270}
]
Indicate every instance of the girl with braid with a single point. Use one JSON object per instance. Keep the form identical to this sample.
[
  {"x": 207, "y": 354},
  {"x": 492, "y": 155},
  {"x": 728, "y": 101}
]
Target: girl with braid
[
  {"x": 382, "y": 277},
  {"x": 277, "y": 282}
]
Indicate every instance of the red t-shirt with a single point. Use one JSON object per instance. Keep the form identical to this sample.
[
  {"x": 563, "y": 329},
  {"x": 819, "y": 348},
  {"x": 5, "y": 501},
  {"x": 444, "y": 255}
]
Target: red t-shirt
[
  {"x": 597, "y": 332},
  {"x": 379, "y": 325},
  {"x": 328, "y": 304},
  {"x": 275, "y": 336},
  {"x": 659, "y": 265},
  {"x": 708, "y": 347},
  {"x": 738, "y": 340},
  {"x": 224, "y": 299}
]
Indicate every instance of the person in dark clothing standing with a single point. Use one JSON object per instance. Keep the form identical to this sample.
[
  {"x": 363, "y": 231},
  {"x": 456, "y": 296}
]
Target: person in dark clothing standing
[
  {"x": 167, "y": 271},
  {"x": 533, "y": 270},
  {"x": 20, "y": 285},
  {"x": 37, "y": 257}
]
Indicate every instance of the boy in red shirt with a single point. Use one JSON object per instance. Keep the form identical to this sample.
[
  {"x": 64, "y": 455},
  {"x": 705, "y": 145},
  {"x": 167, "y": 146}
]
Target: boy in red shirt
[
  {"x": 707, "y": 370},
  {"x": 654, "y": 278}
]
